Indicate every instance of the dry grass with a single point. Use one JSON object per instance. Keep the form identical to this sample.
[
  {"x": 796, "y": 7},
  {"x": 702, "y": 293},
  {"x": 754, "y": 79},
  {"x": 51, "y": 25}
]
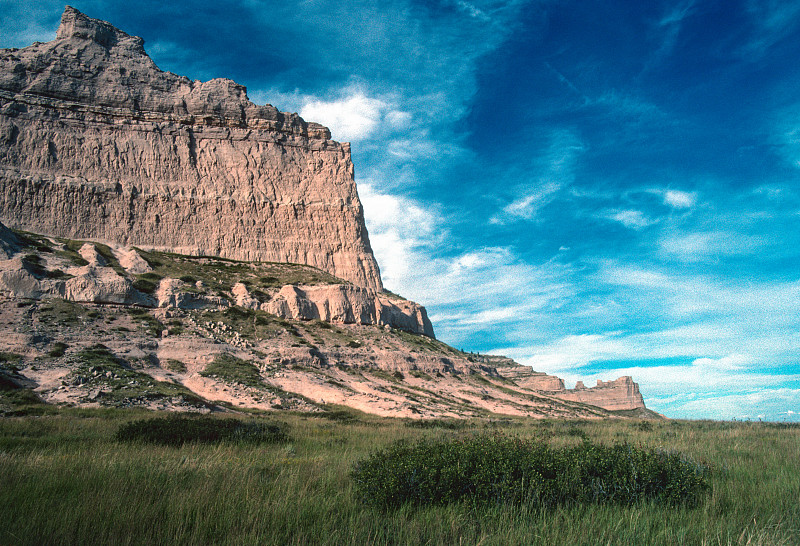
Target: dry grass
[{"x": 64, "y": 479}]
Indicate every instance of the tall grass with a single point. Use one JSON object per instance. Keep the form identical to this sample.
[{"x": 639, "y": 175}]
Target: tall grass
[{"x": 65, "y": 479}]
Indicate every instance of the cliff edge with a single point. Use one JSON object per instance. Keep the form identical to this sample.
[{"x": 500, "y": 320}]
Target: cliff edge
[{"x": 96, "y": 142}]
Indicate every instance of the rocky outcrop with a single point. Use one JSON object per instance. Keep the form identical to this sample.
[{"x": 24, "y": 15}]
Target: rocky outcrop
[
  {"x": 9, "y": 244},
  {"x": 524, "y": 376},
  {"x": 32, "y": 273},
  {"x": 97, "y": 143},
  {"x": 21, "y": 278},
  {"x": 346, "y": 304},
  {"x": 620, "y": 394},
  {"x": 172, "y": 293}
]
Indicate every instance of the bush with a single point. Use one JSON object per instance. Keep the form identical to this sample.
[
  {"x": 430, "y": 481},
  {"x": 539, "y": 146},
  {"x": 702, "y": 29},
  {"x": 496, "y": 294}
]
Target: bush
[
  {"x": 504, "y": 469},
  {"x": 176, "y": 431},
  {"x": 232, "y": 370},
  {"x": 58, "y": 349},
  {"x": 450, "y": 424}
]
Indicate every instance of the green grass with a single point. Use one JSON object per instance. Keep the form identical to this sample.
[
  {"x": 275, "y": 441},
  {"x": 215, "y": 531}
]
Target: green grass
[
  {"x": 145, "y": 319},
  {"x": 115, "y": 383},
  {"x": 176, "y": 430},
  {"x": 219, "y": 274},
  {"x": 234, "y": 371},
  {"x": 64, "y": 478}
]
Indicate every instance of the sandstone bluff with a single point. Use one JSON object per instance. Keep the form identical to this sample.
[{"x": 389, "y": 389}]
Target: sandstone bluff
[
  {"x": 175, "y": 246},
  {"x": 97, "y": 142}
]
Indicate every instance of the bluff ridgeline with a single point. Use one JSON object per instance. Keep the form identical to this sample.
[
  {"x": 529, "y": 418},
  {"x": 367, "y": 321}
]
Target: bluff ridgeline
[{"x": 96, "y": 142}]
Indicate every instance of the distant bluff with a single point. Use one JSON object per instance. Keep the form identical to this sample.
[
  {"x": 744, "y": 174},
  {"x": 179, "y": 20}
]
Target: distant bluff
[{"x": 96, "y": 142}]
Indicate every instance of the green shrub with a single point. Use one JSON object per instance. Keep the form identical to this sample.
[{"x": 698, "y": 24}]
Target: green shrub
[
  {"x": 176, "y": 431},
  {"x": 175, "y": 365},
  {"x": 58, "y": 349},
  {"x": 450, "y": 424},
  {"x": 145, "y": 286},
  {"x": 9, "y": 357},
  {"x": 232, "y": 370},
  {"x": 497, "y": 468},
  {"x": 33, "y": 264}
]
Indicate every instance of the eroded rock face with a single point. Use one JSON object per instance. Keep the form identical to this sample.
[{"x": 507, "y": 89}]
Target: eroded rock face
[
  {"x": 30, "y": 274},
  {"x": 97, "y": 143},
  {"x": 620, "y": 394},
  {"x": 9, "y": 245},
  {"x": 348, "y": 304}
]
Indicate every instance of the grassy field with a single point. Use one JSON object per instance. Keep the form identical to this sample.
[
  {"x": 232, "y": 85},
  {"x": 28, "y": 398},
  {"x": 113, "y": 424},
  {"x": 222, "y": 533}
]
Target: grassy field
[{"x": 65, "y": 479}]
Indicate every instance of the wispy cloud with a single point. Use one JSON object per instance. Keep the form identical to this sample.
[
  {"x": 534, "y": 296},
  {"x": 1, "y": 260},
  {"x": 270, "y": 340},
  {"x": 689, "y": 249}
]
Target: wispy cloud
[
  {"x": 631, "y": 219},
  {"x": 550, "y": 173},
  {"x": 708, "y": 246},
  {"x": 773, "y": 20}
]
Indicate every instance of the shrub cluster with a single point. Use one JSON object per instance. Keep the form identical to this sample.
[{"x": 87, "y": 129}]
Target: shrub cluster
[
  {"x": 176, "y": 431},
  {"x": 502, "y": 469}
]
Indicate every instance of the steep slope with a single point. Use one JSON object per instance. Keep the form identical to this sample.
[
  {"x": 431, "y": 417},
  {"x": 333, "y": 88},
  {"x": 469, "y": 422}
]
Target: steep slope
[
  {"x": 97, "y": 143},
  {"x": 86, "y": 324}
]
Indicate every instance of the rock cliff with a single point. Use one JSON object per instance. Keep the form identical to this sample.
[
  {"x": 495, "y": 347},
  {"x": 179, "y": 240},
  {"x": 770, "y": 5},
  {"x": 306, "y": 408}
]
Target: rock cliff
[
  {"x": 96, "y": 142},
  {"x": 620, "y": 394}
]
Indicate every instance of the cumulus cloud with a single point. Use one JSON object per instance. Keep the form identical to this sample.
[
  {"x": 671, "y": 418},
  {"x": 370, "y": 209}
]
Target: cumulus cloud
[
  {"x": 354, "y": 117},
  {"x": 399, "y": 229}
]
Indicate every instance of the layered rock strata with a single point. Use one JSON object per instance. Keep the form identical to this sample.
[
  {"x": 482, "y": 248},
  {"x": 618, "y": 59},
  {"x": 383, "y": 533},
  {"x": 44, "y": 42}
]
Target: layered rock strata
[
  {"x": 26, "y": 273},
  {"x": 620, "y": 394},
  {"x": 96, "y": 142},
  {"x": 348, "y": 304}
]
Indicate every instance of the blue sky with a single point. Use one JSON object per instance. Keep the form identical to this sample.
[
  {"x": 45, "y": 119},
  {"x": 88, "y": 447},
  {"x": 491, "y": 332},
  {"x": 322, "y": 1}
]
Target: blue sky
[{"x": 593, "y": 188}]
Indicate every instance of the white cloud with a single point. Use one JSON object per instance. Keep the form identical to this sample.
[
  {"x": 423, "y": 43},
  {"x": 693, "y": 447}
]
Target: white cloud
[
  {"x": 631, "y": 219},
  {"x": 472, "y": 11},
  {"x": 730, "y": 362},
  {"x": 528, "y": 206},
  {"x": 680, "y": 199},
  {"x": 773, "y": 22},
  {"x": 398, "y": 228},
  {"x": 550, "y": 173},
  {"x": 355, "y": 116},
  {"x": 708, "y": 245},
  {"x": 477, "y": 288}
]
